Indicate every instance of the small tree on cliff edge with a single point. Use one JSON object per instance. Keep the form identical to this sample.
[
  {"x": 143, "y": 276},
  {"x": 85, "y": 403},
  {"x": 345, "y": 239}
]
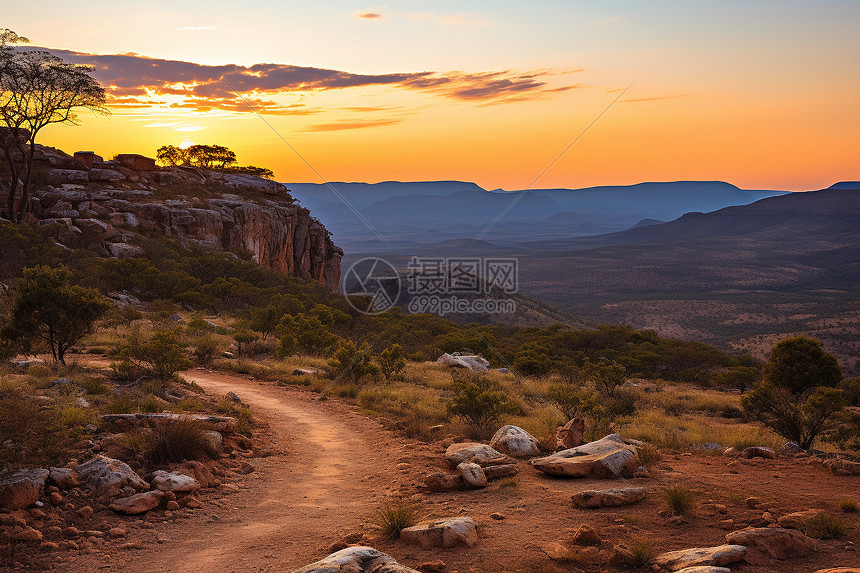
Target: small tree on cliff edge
[
  {"x": 37, "y": 89},
  {"x": 797, "y": 396}
]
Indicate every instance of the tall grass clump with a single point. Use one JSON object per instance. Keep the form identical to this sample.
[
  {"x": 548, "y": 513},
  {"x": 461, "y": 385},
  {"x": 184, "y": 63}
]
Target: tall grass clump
[
  {"x": 642, "y": 552},
  {"x": 848, "y": 505},
  {"x": 393, "y": 516},
  {"x": 826, "y": 526},
  {"x": 679, "y": 499},
  {"x": 178, "y": 441}
]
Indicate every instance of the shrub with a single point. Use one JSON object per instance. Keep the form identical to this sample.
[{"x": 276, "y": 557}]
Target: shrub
[
  {"x": 679, "y": 499},
  {"x": 606, "y": 375},
  {"x": 392, "y": 517},
  {"x": 205, "y": 348},
  {"x": 477, "y": 403},
  {"x": 161, "y": 356},
  {"x": 74, "y": 417},
  {"x": 352, "y": 363},
  {"x": 391, "y": 361},
  {"x": 826, "y": 526},
  {"x": 30, "y": 434},
  {"x": 648, "y": 455},
  {"x": 177, "y": 441},
  {"x": 94, "y": 386},
  {"x": 848, "y": 505}
]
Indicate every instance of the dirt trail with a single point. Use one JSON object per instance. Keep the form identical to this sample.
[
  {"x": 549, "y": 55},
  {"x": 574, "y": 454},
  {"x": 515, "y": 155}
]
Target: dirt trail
[{"x": 319, "y": 482}]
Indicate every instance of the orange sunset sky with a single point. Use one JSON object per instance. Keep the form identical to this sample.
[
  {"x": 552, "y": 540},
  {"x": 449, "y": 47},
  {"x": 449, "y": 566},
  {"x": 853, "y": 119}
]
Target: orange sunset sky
[{"x": 762, "y": 94}]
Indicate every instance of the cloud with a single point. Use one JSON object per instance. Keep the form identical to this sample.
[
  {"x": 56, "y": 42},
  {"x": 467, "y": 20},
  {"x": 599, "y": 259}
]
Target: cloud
[
  {"x": 341, "y": 125},
  {"x": 369, "y": 15},
  {"x": 133, "y": 81}
]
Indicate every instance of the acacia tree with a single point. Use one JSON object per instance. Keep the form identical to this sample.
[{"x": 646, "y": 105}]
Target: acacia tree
[
  {"x": 797, "y": 395},
  {"x": 48, "y": 306},
  {"x": 37, "y": 89}
]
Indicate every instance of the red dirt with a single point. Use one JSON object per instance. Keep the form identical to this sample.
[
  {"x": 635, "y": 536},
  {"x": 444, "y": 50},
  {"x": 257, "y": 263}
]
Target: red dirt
[{"x": 333, "y": 466}]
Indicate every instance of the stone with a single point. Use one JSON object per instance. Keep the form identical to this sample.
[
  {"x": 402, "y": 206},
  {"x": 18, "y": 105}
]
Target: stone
[
  {"x": 790, "y": 449},
  {"x": 608, "y": 457},
  {"x": 586, "y": 536},
  {"x": 109, "y": 478},
  {"x": 480, "y": 454},
  {"x": 797, "y": 520},
  {"x": 642, "y": 473},
  {"x": 753, "y": 502},
  {"x": 22, "y": 488},
  {"x": 472, "y": 475},
  {"x": 136, "y": 162},
  {"x": 758, "y": 452},
  {"x": 570, "y": 435},
  {"x": 105, "y": 175},
  {"x": 214, "y": 440},
  {"x": 515, "y": 442},
  {"x": 28, "y": 535},
  {"x": 356, "y": 560},
  {"x": 773, "y": 542},
  {"x": 475, "y": 363},
  {"x": 123, "y": 250},
  {"x": 700, "y": 556},
  {"x": 175, "y": 482},
  {"x": 591, "y": 498},
  {"x": 191, "y": 502},
  {"x": 56, "y": 498},
  {"x": 439, "y": 482},
  {"x": 137, "y": 503},
  {"x": 557, "y": 551},
  {"x": 500, "y": 471},
  {"x": 445, "y": 532},
  {"x": 117, "y": 532}
]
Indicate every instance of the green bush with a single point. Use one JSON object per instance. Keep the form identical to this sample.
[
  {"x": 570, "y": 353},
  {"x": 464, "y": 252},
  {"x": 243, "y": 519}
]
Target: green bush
[
  {"x": 478, "y": 403},
  {"x": 351, "y": 363},
  {"x": 161, "y": 356}
]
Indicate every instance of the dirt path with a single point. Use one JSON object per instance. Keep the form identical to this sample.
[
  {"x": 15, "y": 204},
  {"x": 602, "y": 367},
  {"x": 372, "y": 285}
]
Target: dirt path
[
  {"x": 319, "y": 482},
  {"x": 332, "y": 467}
]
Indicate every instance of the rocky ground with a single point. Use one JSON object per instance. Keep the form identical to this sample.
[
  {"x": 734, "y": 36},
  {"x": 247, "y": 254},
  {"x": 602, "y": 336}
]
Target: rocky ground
[{"x": 322, "y": 469}]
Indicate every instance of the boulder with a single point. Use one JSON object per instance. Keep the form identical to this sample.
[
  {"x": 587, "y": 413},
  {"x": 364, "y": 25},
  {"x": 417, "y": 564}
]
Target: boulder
[
  {"x": 28, "y": 535},
  {"x": 472, "y": 474},
  {"x": 797, "y": 520},
  {"x": 137, "y": 503},
  {"x": 608, "y": 457},
  {"x": 843, "y": 467},
  {"x": 773, "y": 542},
  {"x": 175, "y": 482},
  {"x": 570, "y": 435},
  {"x": 446, "y": 532},
  {"x": 356, "y": 560},
  {"x": 439, "y": 482},
  {"x": 789, "y": 450},
  {"x": 758, "y": 452},
  {"x": 214, "y": 440},
  {"x": 22, "y": 489},
  {"x": 475, "y": 363},
  {"x": 109, "y": 478},
  {"x": 591, "y": 498},
  {"x": 105, "y": 175},
  {"x": 515, "y": 442},
  {"x": 136, "y": 162},
  {"x": 64, "y": 478},
  {"x": 700, "y": 556},
  {"x": 123, "y": 250},
  {"x": 480, "y": 454}
]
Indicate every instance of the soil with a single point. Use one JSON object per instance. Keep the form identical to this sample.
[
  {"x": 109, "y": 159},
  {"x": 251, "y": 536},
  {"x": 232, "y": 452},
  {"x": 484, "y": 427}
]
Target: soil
[{"x": 328, "y": 467}]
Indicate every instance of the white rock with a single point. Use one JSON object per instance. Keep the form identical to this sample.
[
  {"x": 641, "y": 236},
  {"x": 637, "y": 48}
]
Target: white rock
[
  {"x": 472, "y": 474},
  {"x": 446, "y": 532},
  {"x": 480, "y": 454},
  {"x": 356, "y": 560},
  {"x": 685, "y": 558},
  {"x": 138, "y": 503},
  {"x": 475, "y": 363},
  {"x": 175, "y": 482},
  {"x": 516, "y": 442}
]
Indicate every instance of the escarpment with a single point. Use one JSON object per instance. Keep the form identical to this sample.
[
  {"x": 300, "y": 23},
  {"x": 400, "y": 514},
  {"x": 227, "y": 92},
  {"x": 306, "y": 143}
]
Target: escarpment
[{"x": 108, "y": 204}]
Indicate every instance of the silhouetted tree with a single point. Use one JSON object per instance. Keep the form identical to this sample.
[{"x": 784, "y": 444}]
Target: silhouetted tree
[{"x": 37, "y": 89}]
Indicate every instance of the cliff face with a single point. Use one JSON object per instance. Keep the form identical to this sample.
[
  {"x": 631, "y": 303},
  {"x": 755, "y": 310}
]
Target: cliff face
[{"x": 108, "y": 204}]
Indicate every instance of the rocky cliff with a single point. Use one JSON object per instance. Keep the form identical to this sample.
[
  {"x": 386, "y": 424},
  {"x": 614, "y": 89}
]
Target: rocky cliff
[{"x": 108, "y": 204}]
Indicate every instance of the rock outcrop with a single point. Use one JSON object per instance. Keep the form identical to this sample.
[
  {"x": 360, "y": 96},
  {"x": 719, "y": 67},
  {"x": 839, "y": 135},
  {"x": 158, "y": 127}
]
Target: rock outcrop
[
  {"x": 108, "y": 203},
  {"x": 592, "y": 498},
  {"x": 449, "y": 532},
  {"x": 22, "y": 489},
  {"x": 356, "y": 560},
  {"x": 700, "y": 556},
  {"x": 608, "y": 457}
]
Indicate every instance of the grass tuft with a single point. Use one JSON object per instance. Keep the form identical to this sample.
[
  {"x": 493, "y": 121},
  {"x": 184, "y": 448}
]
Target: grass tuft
[
  {"x": 679, "y": 499},
  {"x": 178, "y": 441},
  {"x": 826, "y": 526},
  {"x": 394, "y": 516},
  {"x": 848, "y": 505},
  {"x": 642, "y": 551}
]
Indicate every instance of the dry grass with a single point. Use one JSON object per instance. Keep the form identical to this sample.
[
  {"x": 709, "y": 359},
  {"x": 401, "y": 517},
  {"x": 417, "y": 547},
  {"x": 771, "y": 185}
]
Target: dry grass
[
  {"x": 178, "y": 441},
  {"x": 848, "y": 505},
  {"x": 679, "y": 499},
  {"x": 826, "y": 526},
  {"x": 393, "y": 516}
]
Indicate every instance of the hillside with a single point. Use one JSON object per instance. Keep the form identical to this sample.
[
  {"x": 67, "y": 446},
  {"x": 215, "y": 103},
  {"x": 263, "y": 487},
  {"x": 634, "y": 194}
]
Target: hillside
[{"x": 741, "y": 276}]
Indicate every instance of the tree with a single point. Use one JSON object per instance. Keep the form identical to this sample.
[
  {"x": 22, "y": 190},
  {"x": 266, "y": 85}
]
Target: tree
[
  {"x": 391, "y": 361},
  {"x": 48, "y": 306},
  {"x": 243, "y": 336},
  {"x": 797, "y": 395},
  {"x": 353, "y": 363},
  {"x": 37, "y": 89},
  {"x": 161, "y": 356},
  {"x": 171, "y": 155}
]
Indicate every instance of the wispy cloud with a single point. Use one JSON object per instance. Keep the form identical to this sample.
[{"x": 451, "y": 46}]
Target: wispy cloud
[
  {"x": 369, "y": 15},
  {"x": 137, "y": 81},
  {"x": 342, "y": 125}
]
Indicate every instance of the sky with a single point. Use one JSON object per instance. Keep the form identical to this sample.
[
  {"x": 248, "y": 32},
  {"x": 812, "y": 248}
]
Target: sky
[{"x": 764, "y": 94}]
